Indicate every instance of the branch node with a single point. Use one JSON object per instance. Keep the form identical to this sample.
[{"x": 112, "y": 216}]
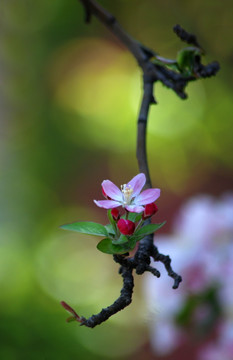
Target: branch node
[{"x": 141, "y": 268}]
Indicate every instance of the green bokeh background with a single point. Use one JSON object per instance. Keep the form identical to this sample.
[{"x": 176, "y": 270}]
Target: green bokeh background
[{"x": 69, "y": 99}]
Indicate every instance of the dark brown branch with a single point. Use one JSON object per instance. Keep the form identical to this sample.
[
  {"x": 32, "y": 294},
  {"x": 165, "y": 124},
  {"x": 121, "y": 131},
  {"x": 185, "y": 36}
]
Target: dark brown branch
[
  {"x": 171, "y": 79},
  {"x": 148, "y": 99},
  {"x": 124, "y": 300},
  {"x": 111, "y": 23},
  {"x": 177, "y": 82}
]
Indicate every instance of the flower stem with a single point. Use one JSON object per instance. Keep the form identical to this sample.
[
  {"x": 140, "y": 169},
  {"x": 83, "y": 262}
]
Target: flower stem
[{"x": 139, "y": 225}]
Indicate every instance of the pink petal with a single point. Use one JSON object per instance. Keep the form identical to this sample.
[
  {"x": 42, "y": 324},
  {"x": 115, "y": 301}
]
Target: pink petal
[
  {"x": 111, "y": 190},
  {"x": 137, "y": 183},
  {"x": 107, "y": 204},
  {"x": 147, "y": 197},
  {"x": 134, "y": 208}
]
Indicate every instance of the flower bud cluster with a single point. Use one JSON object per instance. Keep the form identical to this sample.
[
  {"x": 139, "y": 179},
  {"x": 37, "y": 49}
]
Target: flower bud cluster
[{"x": 126, "y": 226}]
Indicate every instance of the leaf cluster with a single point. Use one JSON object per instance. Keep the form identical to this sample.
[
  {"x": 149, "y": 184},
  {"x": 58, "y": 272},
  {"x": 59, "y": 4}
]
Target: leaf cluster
[{"x": 114, "y": 242}]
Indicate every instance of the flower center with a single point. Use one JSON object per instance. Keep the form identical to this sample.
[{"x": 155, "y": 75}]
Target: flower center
[{"x": 127, "y": 192}]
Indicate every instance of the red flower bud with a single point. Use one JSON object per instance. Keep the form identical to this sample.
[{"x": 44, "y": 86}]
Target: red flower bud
[
  {"x": 115, "y": 214},
  {"x": 126, "y": 227},
  {"x": 150, "y": 209}
]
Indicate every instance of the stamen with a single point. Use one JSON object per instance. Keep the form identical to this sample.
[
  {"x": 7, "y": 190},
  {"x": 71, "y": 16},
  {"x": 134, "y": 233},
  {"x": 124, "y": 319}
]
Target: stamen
[{"x": 127, "y": 192}]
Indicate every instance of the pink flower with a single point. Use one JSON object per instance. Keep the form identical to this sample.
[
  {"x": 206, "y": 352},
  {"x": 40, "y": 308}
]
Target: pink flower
[
  {"x": 126, "y": 227},
  {"x": 129, "y": 195}
]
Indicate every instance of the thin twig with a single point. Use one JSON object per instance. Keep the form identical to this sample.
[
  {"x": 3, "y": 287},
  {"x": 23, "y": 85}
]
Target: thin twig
[
  {"x": 165, "y": 259},
  {"x": 185, "y": 36}
]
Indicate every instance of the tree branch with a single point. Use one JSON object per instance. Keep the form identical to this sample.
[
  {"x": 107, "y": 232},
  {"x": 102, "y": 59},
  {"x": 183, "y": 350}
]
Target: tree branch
[
  {"x": 147, "y": 100},
  {"x": 153, "y": 69},
  {"x": 144, "y": 56},
  {"x": 124, "y": 300},
  {"x": 111, "y": 23},
  {"x": 165, "y": 259}
]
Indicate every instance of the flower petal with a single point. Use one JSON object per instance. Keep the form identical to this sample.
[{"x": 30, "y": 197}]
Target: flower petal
[
  {"x": 134, "y": 208},
  {"x": 137, "y": 183},
  {"x": 111, "y": 190},
  {"x": 107, "y": 204},
  {"x": 147, "y": 196}
]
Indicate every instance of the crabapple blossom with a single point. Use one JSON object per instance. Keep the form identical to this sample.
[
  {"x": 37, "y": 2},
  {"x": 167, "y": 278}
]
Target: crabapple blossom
[{"x": 129, "y": 196}]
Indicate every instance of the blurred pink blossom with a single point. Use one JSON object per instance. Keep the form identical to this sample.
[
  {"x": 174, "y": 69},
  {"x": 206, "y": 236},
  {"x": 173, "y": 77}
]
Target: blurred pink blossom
[{"x": 201, "y": 249}]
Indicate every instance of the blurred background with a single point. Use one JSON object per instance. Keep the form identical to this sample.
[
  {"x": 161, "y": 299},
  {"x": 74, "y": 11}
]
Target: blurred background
[{"x": 69, "y": 99}]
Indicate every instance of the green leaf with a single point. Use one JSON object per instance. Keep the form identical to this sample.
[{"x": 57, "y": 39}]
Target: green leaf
[
  {"x": 107, "y": 247},
  {"x": 132, "y": 216},
  {"x": 132, "y": 242},
  {"x": 186, "y": 58},
  {"x": 110, "y": 229},
  {"x": 86, "y": 227},
  {"x": 135, "y": 217},
  {"x": 147, "y": 229},
  {"x": 121, "y": 240}
]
